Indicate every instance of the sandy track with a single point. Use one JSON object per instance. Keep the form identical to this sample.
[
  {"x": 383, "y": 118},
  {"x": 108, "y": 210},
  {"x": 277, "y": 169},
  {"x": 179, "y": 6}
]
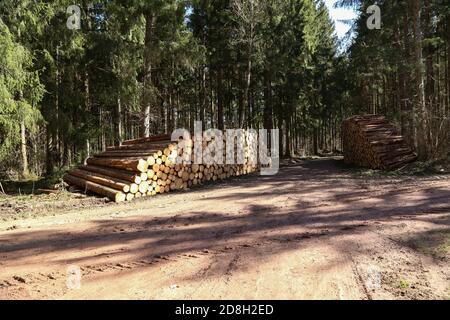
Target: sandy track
[{"x": 315, "y": 231}]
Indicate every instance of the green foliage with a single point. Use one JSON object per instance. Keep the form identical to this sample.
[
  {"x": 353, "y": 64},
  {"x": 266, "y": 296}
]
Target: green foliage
[
  {"x": 20, "y": 92},
  {"x": 401, "y": 71},
  {"x": 249, "y": 63}
]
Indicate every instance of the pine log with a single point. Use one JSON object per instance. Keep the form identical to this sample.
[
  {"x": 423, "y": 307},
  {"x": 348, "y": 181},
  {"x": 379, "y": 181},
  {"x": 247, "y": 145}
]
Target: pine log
[
  {"x": 143, "y": 187},
  {"x": 114, "y": 195},
  {"x": 138, "y": 165},
  {"x": 157, "y": 138},
  {"x": 142, "y": 146},
  {"x": 126, "y": 154},
  {"x": 104, "y": 180},
  {"x": 371, "y": 141},
  {"x": 115, "y": 173}
]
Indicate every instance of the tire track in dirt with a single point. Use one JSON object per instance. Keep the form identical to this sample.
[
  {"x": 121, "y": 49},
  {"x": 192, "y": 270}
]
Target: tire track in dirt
[
  {"x": 284, "y": 237},
  {"x": 39, "y": 280}
]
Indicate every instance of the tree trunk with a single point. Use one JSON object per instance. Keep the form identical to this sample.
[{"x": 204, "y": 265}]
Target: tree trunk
[
  {"x": 202, "y": 95},
  {"x": 139, "y": 165},
  {"x": 406, "y": 107},
  {"x": 315, "y": 141},
  {"x": 220, "y": 100},
  {"x": 119, "y": 129},
  {"x": 48, "y": 152},
  {"x": 241, "y": 99},
  {"x": 105, "y": 180},
  {"x": 23, "y": 138},
  {"x": 268, "y": 123},
  {"x": 67, "y": 157},
  {"x": 102, "y": 129},
  {"x": 87, "y": 105},
  {"x": 88, "y": 150},
  {"x": 248, "y": 91},
  {"x": 419, "y": 84},
  {"x": 56, "y": 130},
  {"x": 120, "y": 174},
  {"x": 113, "y": 194},
  {"x": 147, "y": 95},
  {"x": 447, "y": 111},
  {"x": 430, "y": 102}
]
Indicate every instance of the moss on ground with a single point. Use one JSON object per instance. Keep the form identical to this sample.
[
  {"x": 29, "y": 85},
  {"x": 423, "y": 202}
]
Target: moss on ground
[{"x": 435, "y": 243}]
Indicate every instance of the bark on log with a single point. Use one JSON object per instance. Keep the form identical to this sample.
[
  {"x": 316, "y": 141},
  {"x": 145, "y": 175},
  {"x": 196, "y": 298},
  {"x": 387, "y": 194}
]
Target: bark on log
[
  {"x": 154, "y": 158},
  {"x": 114, "y": 195},
  {"x": 371, "y": 141},
  {"x": 120, "y": 174},
  {"x": 138, "y": 165},
  {"x": 157, "y": 138},
  {"x": 104, "y": 180}
]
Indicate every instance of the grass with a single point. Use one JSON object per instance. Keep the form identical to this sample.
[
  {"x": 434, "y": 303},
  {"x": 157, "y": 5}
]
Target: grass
[
  {"x": 24, "y": 188},
  {"x": 403, "y": 284},
  {"x": 438, "y": 167},
  {"x": 432, "y": 167},
  {"x": 435, "y": 243}
]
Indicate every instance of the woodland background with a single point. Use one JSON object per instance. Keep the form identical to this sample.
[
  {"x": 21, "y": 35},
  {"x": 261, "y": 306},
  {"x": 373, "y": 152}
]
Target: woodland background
[{"x": 137, "y": 68}]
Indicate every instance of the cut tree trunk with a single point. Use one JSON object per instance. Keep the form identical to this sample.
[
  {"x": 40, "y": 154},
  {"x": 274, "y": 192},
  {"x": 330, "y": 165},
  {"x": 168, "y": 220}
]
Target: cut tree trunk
[
  {"x": 139, "y": 165},
  {"x": 114, "y": 195},
  {"x": 104, "y": 180},
  {"x": 371, "y": 141},
  {"x": 120, "y": 174},
  {"x": 25, "y": 170}
]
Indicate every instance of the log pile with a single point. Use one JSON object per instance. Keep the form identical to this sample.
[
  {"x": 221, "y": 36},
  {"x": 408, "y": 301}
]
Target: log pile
[
  {"x": 147, "y": 167},
  {"x": 371, "y": 141}
]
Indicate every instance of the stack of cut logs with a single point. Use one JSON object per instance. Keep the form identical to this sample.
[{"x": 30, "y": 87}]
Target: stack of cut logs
[
  {"x": 371, "y": 141},
  {"x": 147, "y": 167}
]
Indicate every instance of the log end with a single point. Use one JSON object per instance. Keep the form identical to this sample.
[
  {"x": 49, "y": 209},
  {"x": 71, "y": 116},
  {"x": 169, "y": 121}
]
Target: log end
[
  {"x": 142, "y": 166},
  {"x": 134, "y": 188},
  {"x": 120, "y": 197}
]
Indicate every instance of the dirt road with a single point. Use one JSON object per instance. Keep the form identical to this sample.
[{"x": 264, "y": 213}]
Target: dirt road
[{"x": 315, "y": 231}]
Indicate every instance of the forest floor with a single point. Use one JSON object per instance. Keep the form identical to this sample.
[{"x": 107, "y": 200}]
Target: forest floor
[{"x": 317, "y": 230}]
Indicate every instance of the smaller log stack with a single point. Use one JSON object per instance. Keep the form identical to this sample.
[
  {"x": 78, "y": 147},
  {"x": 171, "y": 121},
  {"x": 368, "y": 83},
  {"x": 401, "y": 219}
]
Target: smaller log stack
[
  {"x": 371, "y": 141},
  {"x": 147, "y": 167}
]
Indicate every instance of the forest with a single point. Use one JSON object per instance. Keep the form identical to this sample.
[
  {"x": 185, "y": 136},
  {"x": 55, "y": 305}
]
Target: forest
[
  {"x": 73, "y": 83},
  {"x": 99, "y": 201}
]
